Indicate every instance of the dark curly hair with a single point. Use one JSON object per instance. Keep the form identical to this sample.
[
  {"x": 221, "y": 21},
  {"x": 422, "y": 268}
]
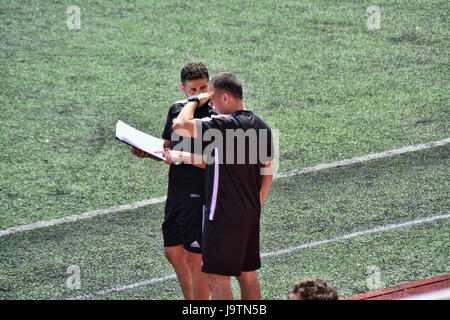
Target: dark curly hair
[
  {"x": 313, "y": 290},
  {"x": 193, "y": 71}
]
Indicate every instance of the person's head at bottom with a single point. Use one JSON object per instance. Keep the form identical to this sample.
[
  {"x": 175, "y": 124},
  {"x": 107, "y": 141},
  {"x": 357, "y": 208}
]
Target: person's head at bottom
[{"x": 316, "y": 289}]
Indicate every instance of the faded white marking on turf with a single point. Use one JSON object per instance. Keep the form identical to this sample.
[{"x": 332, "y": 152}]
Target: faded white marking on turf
[
  {"x": 274, "y": 253},
  {"x": 143, "y": 203},
  {"x": 126, "y": 287}
]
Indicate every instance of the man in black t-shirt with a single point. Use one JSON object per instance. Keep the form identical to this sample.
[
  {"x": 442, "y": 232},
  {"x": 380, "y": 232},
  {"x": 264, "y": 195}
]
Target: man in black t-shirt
[
  {"x": 182, "y": 226},
  {"x": 237, "y": 181}
]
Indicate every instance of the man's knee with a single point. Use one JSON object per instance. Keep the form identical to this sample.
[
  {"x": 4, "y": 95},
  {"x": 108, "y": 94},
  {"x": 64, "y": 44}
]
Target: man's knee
[
  {"x": 193, "y": 260},
  {"x": 247, "y": 277},
  {"x": 175, "y": 255},
  {"x": 216, "y": 280}
]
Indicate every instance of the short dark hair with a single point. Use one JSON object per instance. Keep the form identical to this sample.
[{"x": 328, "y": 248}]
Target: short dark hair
[
  {"x": 316, "y": 289},
  {"x": 193, "y": 71},
  {"x": 228, "y": 82}
]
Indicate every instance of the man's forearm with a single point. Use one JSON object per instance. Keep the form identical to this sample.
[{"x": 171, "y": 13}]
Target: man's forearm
[
  {"x": 187, "y": 113},
  {"x": 184, "y": 125},
  {"x": 267, "y": 173},
  {"x": 265, "y": 186},
  {"x": 197, "y": 160}
]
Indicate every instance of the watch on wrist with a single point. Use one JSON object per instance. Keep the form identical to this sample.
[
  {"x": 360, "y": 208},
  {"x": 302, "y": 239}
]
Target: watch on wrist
[
  {"x": 179, "y": 159},
  {"x": 194, "y": 98}
]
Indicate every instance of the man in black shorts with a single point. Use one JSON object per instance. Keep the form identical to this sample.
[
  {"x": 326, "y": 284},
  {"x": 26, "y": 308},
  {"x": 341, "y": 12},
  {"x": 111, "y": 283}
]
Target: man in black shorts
[
  {"x": 237, "y": 181},
  {"x": 182, "y": 226}
]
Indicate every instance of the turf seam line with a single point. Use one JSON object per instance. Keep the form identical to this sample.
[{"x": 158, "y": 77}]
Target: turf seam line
[
  {"x": 135, "y": 205},
  {"x": 274, "y": 253}
]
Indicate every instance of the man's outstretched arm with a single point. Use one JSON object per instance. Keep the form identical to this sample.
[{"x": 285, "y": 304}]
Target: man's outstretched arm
[
  {"x": 184, "y": 125},
  {"x": 174, "y": 156}
]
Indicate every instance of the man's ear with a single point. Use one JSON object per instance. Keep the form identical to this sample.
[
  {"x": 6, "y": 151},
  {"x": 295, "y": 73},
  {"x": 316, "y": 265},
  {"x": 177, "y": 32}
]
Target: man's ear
[
  {"x": 182, "y": 88},
  {"x": 226, "y": 98}
]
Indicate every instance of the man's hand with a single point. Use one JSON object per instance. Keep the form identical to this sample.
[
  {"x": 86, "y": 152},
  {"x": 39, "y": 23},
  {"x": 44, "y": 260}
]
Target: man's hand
[
  {"x": 142, "y": 154},
  {"x": 204, "y": 97},
  {"x": 139, "y": 153},
  {"x": 184, "y": 125},
  {"x": 171, "y": 156},
  {"x": 177, "y": 157}
]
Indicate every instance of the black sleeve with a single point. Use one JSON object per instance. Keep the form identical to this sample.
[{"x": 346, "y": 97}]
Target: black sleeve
[
  {"x": 212, "y": 112},
  {"x": 167, "y": 133},
  {"x": 220, "y": 123}
]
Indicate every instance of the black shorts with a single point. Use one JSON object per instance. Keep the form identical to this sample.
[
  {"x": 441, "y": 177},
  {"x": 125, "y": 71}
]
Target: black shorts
[
  {"x": 183, "y": 225},
  {"x": 230, "y": 249}
]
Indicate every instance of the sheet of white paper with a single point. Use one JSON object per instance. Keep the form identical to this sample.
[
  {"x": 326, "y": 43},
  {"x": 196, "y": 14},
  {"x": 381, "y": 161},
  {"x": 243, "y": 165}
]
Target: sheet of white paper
[{"x": 139, "y": 139}]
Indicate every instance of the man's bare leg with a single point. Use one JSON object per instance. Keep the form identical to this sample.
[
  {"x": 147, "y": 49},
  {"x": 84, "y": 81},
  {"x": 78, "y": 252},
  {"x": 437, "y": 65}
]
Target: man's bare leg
[
  {"x": 175, "y": 255},
  {"x": 199, "y": 284},
  {"x": 250, "y": 288},
  {"x": 220, "y": 287}
]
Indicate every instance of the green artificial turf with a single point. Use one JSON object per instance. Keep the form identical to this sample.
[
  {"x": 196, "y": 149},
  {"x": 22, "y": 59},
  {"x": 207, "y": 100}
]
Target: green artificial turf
[
  {"x": 126, "y": 247},
  {"x": 311, "y": 69}
]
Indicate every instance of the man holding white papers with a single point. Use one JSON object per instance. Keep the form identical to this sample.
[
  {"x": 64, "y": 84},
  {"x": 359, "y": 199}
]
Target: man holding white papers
[
  {"x": 238, "y": 177},
  {"x": 182, "y": 227}
]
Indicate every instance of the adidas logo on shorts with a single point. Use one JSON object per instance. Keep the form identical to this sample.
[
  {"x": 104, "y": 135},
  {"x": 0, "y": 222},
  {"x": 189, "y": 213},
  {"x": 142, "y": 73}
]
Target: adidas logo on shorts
[{"x": 195, "y": 244}]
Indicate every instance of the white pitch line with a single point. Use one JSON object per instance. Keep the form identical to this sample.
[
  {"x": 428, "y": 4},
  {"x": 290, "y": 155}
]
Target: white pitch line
[
  {"x": 356, "y": 234},
  {"x": 91, "y": 214},
  {"x": 372, "y": 156},
  {"x": 77, "y": 217},
  {"x": 274, "y": 253}
]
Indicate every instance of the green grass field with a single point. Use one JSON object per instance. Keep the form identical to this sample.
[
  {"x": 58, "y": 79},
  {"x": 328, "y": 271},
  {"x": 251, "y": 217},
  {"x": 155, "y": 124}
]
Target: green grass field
[{"x": 310, "y": 69}]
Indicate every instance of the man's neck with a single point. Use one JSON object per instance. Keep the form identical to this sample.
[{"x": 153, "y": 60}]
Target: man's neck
[{"x": 238, "y": 107}]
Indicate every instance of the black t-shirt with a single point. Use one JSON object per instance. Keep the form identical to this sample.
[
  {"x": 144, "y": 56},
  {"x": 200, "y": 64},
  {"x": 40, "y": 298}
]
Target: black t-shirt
[
  {"x": 186, "y": 182},
  {"x": 241, "y": 144}
]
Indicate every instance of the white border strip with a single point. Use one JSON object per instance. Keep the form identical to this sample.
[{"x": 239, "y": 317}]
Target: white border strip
[
  {"x": 143, "y": 203},
  {"x": 273, "y": 253},
  {"x": 215, "y": 185},
  {"x": 442, "y": 294}
]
